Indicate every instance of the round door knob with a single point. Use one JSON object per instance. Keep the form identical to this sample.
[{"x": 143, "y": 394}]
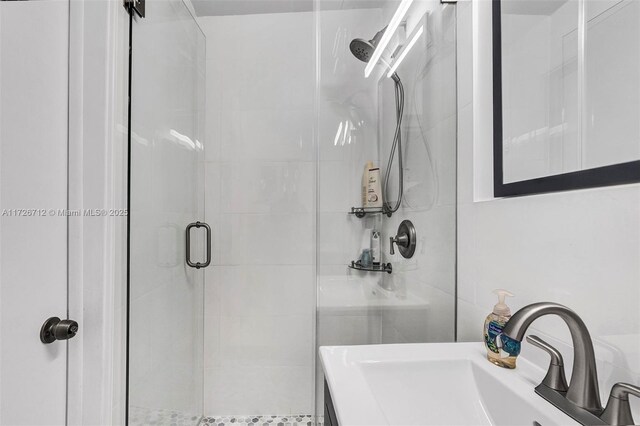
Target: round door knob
[{"x": 56, "y": 329}]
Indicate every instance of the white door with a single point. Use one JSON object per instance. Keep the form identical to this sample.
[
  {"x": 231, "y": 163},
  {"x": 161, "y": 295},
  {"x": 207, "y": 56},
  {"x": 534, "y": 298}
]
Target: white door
[{"x": 33, "y": 191}]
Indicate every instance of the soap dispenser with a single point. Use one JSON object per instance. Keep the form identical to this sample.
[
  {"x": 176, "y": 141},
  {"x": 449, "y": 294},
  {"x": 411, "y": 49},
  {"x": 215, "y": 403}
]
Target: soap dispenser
[{"x": 501, "y": 350}]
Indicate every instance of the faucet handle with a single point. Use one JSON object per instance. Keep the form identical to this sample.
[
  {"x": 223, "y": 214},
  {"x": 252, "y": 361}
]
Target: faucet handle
[
  {"x": 401, "y": 240},
  {"x": 555, "y": 378},
  {"x": 617, "y": 411}
]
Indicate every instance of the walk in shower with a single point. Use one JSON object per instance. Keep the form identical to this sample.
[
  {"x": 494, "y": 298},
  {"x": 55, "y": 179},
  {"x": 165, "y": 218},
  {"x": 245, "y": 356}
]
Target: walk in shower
[{"x": 256, "y": 119}]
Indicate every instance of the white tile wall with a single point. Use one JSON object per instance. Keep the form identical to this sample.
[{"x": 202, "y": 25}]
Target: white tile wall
[
  {"x": 579, "y": 248},
  {"x": 261, "y": 179}
]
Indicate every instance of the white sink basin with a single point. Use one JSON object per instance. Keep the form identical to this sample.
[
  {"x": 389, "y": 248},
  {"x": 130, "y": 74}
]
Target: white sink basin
[
  {"x": 433, "y": 384},
  {"x": 350, "y": 294}
]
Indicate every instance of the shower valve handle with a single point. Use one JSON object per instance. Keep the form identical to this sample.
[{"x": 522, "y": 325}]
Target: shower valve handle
[
  {"x": 405, "y": 240},
  {"x": 400, "y": 240}
]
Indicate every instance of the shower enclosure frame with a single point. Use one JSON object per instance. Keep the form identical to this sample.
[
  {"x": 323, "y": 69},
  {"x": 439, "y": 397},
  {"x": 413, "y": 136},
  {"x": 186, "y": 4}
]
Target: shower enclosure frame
[{"x": 96, "y": 172}]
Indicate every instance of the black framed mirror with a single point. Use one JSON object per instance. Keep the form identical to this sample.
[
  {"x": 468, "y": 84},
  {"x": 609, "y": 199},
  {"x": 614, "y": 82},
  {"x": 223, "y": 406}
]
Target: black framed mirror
[{"x": 566, "y": 95}]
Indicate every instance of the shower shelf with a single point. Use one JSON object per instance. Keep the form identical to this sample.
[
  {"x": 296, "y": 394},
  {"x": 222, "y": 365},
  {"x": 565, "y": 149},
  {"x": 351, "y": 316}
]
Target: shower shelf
[
  {"x": 383, "y": 267},
  {"x": 361, "y": 212}
]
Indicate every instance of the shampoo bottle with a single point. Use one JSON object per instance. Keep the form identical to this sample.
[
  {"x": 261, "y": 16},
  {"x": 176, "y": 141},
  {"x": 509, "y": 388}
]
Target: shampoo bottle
[
  {"x": 501, "y": 350},
  {"x": 365, "y": 183},
  {"x": 374, "y": 188}
]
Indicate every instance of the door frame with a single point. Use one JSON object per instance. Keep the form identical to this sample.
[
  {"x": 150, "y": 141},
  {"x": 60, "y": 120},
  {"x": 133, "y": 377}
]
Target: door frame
[{"x": 97, "y": 180}]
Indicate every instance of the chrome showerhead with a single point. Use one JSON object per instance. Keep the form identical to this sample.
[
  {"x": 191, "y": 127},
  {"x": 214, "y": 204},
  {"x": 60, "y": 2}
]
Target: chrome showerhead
[{"x": 363, "y": 49}]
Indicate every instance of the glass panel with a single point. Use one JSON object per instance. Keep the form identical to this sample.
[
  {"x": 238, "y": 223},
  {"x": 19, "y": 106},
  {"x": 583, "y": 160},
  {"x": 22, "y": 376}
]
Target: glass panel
[
  {"x": 356, "y": 123},
  {"x": 540, "y": 88},
  {"x": 567, "y": 108},
  {"x": 167, "y": 193},
  {"x": 260, "y": 203},
  {"x": 612, "y": 86}
]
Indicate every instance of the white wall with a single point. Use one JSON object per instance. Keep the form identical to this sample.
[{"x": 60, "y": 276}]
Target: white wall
[
  {"x": 578, "y": 248},
  {"x": 33, "y": 175},
  {"x": 260, "y": 203}
]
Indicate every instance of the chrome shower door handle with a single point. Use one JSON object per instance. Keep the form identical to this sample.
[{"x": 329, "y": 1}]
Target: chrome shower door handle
[{"x": 207, "y": 228}]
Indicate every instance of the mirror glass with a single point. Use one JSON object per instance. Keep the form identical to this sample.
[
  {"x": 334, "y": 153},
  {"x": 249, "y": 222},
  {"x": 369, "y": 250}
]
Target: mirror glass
[{"x": 570, "y": 86}]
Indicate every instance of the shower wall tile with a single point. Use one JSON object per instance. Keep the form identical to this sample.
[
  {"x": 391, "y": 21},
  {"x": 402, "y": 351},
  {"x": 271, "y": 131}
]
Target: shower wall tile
[
  {"x": 336, "y": 193},
  {"x": 347, "y": 124},
  {"x": 265, "y": 290},
  {"x": 277, "y": 70},
  {"x": 358, "y": 329},
  {"x": 270, "y": 134},
  {"x": 213, "y": 129},
  {"x": 258, "y": 389},
  {"x": 266, "y": 239},
  {"x": 229, "y": 239},
  {"x": 283, "y": 239},
  {"x": 258, "y": 187},
  {"x": 213, "y": 188},
  {"x": 261, "y": 178},
  {"x": 341, "y": 238},
  {"x": 464, "y": 56},
  {"x": 277, "y": 340}
]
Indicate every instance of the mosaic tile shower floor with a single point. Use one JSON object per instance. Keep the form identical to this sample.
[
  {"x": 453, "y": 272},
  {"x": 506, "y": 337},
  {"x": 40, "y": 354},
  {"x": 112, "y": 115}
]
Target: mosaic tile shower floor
[
  {"x": 141, "y": 416},
  {"x": 295, "y": 420}
]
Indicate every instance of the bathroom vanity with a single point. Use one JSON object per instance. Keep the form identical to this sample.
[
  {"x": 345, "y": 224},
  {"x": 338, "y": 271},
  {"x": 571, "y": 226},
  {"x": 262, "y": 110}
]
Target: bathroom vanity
[{"x": 330, "y": 417}]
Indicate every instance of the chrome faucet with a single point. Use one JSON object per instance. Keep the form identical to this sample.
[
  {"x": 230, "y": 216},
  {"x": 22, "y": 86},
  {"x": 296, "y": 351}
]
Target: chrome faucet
[
  {"x": 582, "y": 398},
  {"x": 618, "y": 412}
]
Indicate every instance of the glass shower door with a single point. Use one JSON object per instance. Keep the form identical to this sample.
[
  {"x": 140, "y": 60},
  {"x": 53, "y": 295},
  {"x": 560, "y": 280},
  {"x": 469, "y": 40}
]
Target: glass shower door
[{"x": 166, "y": 195}]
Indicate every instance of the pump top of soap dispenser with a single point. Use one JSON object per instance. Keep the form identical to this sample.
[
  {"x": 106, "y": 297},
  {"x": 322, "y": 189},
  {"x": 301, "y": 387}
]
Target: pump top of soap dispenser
[{"x": 501, "y": 308}]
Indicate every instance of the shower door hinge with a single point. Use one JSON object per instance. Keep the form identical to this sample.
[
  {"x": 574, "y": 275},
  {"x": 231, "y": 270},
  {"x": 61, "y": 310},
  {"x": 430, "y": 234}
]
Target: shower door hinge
[{"x": 135, "y": 5}]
